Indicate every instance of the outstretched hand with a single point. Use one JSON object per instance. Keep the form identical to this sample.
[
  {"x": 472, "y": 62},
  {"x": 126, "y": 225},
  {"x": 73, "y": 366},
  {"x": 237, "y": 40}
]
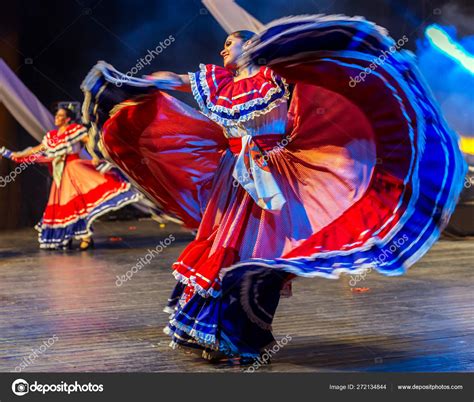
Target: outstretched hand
[{"x": 6, "y": 153}]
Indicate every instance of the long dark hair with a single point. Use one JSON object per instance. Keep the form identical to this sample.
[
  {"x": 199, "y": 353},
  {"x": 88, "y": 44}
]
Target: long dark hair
[
  {"x": 69, "y": 113},
  {"x": 243, "y": 34}
]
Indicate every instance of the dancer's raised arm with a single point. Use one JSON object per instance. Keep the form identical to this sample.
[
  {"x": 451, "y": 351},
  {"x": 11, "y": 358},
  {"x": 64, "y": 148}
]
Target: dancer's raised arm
[
  {"x": 170, "y": 80},
  {"x": 29, "y": 151}
]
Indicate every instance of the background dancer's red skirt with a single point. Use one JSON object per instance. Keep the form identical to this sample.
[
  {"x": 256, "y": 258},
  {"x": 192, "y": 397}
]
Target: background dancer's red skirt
[{"x": 83, "y": 195}]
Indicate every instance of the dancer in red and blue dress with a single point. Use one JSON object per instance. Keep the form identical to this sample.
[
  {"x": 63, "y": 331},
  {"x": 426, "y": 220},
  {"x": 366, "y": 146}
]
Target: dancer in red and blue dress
[
  {"x": 79, "y": 193},
  {"x": 316, "y": 180}
]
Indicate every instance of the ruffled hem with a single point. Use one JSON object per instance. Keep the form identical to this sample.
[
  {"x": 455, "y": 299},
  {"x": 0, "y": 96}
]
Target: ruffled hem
[
  {"x": 188, "y": 336},
  {"x": 191, "y": 281},
  {"x": 204, "y": 339},
  {"x": 199, "y": 270},
  {"x": 197, "y": 318},
  {"x": 58, "y": 236}
]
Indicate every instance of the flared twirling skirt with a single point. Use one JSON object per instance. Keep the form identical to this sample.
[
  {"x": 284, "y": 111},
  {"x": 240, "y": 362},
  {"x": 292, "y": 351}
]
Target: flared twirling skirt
[
  {"x": 82, "y": 196},
  {"x": 371, "y": 174}
]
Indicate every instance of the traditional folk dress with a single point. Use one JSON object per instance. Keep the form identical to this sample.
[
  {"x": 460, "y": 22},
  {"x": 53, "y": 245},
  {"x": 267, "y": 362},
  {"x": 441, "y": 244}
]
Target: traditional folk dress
[
  {"x": 79, "y": 193},
  {"x": 318, "y": 180}
]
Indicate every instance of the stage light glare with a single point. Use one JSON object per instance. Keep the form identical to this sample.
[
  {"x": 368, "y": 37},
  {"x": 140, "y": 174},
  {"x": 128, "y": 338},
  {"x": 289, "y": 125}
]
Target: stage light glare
[{"x": 440, "y": 39}]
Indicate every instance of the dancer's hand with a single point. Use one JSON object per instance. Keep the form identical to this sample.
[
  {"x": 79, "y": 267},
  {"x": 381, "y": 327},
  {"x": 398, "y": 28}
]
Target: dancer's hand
[{"x": 6, "y": 153}]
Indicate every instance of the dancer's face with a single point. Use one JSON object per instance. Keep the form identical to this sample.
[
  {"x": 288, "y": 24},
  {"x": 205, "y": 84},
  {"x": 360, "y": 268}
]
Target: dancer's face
[
  {"x": 233, "y": 48},
  {"x": 60, "y": 118}
]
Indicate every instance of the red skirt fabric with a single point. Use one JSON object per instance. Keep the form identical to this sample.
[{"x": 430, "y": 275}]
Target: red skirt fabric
[{"x": 321, "y": 176}]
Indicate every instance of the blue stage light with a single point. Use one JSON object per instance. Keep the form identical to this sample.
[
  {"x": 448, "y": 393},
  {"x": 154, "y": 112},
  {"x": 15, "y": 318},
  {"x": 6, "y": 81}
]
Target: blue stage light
[{"x": 441, "y": 40}]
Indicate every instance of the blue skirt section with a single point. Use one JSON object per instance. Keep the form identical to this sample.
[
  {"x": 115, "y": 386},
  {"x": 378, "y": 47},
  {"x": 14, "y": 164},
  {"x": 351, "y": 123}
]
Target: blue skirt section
[{"x": 236, "y": 323}]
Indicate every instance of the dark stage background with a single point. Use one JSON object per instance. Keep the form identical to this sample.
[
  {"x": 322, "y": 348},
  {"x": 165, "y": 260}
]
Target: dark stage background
[{"x": 52, "y": 45}]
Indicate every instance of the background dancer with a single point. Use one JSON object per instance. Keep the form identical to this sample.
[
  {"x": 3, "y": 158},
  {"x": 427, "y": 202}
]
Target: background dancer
[{"x": 79, "y": 193}]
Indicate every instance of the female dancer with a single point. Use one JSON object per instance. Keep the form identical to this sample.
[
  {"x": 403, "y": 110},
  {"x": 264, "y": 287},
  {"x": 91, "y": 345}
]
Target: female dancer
[
  {"x": 79, "y": 193},
  {"x": 341, "y": 179}
]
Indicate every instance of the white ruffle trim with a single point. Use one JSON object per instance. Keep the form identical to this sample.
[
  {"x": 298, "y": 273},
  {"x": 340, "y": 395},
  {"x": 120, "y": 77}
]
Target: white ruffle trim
[
  {"x": 210, "y": 109},
  {"x": 191, "y": 281}
]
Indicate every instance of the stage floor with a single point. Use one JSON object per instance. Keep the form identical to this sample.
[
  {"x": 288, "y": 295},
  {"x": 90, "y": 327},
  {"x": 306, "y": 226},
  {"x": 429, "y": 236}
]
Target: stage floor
[{"x": 67, "y": 308}]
